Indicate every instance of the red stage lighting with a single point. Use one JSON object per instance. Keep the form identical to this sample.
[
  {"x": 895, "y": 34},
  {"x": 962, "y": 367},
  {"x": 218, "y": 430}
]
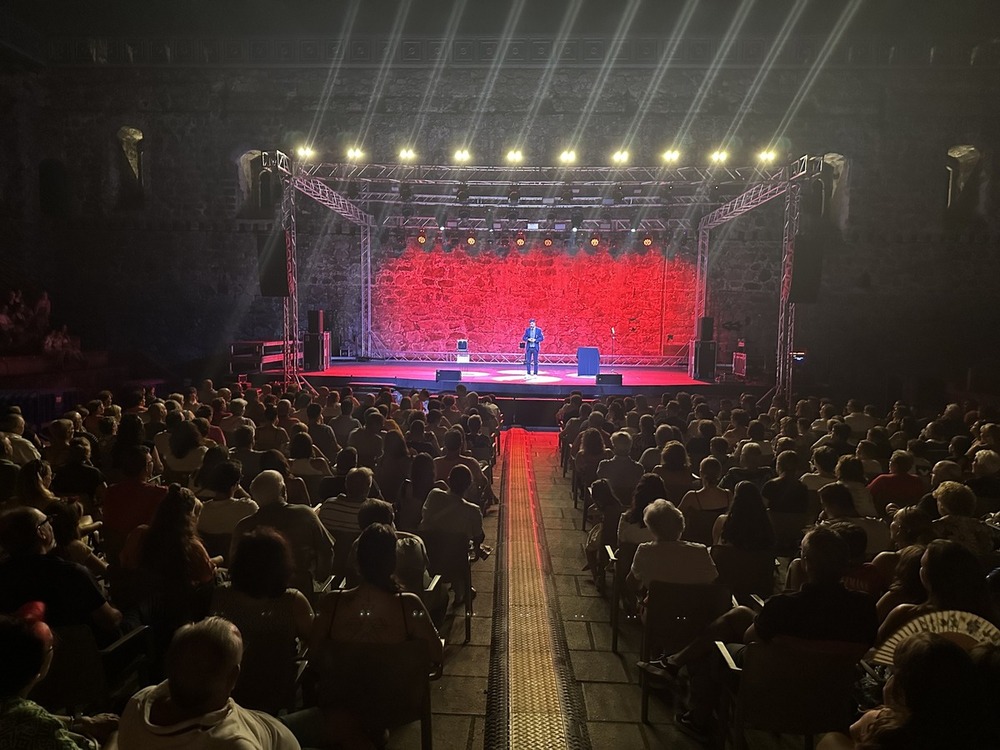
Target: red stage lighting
[
  {"x": 519, "y": 240},
  {"x": 595, "y": 240}
]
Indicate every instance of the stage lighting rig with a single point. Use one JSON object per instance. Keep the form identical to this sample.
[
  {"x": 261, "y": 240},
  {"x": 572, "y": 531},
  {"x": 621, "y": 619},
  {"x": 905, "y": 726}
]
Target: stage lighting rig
[
  {"x": 514, "y": 156},
  {"x": 547, "y": 240},
  {"x": 568, "y": 156},
  {"x": 671, "y": 156},
  {"x": 520, "y": 240},
  {"x": 355, "y": 154},
  {"x": 422, "y": 237}
]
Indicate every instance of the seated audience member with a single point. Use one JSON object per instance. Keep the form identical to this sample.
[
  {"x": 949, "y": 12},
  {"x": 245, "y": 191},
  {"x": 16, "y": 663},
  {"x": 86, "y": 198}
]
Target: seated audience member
[
  {"x": 868, "y": 453},
  {"x": 224, "y": 509},
  {"x": 646, "y": 437},
  {"x": 667, "y": 558},
  {"x": 269, "y": 435},
  {"x": 837, "y": 439},
  {"x": 480, "y": 488},
  {"x": 675, "y": 471},
  {"x": 22, "y": 450},
  {"x": 699, "y": 447},
  {"x": 957, "y": 506},
  {"x": 312, "y": 546},
  {"x": 738, "y": 430},
  {"x": 905, "y": 586},
  {"x": 942, "y": 471},
  {"x": 786, "y": 493},
  {"x": 241, "y": 449},
  {"x": 192, "y": 708},
  {"x": 323, "y": 436},
  {"x": 861, "y": 575},
  {"x": 186, "y": 451},
  {"x": 303, "y": 460},
  {"x": 751, "y": 469},
  {"x": 32, "y": 488},
  {"x": 953, "y": 578},
  {"x": 719, "y": 448},
  {"x": 588, "y": 457},
  {"x": 235, "y": 419},
  {"x": 132, "y": 501},
  {"x": 632, "y": 529},
  {"x": 26, "y": 644},
  {"x": 756, "y": 433},
  {"x": 375, "y": 611},
  {"x": 857, "y": 420},
  {"x": 838, "y": 505},
  {"x": 57, "y": 451},
  {"x": 985, "y": 480},
  {"x": 930, "y": 700},
  {"x": 345, "y": 424},
  {"x": 824, "y": 464},
  {"x": 480, "y": 445},
  {"x": 448, "y": 511},
  {"x": 746, "y": 525},
  {"x": 909, "y": 526},
  {"x": 340, "y": 513},
  {"x": 295, "y": 487},
  {"x": 621, "y": 472},
  {"x": 394, "y": 466},
  {"x": 899, "y": 487},
  {"x": 851, "y": 474},
  {"x": 651, "y": 456},
  {"x": 414, "y": 492},
  {"x": 367, "y": 440},
  {"x": 78, "y": 476},
  {"x": 709, "y": 496},
  {"x": 260, "y": 593},
  {"x": 65, "y": 519},
  {"x": 823, "y": 610},
  {"x": 8, "y": 472},
  {"x": 32, "y": 574}
]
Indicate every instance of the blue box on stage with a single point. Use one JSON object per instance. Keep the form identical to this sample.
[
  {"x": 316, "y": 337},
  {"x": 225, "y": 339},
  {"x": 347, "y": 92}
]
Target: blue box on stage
[{"x": 588, "y": 360}]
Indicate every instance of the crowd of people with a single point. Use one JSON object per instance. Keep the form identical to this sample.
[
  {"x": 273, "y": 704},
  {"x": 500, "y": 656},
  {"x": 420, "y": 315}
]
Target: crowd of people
[
  {"x": 884, "y": 519},
  {"x": 216, "y": 519}
]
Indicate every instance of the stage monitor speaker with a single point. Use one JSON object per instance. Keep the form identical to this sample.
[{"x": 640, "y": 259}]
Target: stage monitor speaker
[
  {"x": 609, "y": 378},
  {"x": 450, "y": 376},
  {"x": 807, "y": 267},
  {"x": 704, "y": 360},
  {"x": 316, "y": 321},
  {"x": 316, "y": 351},
  {"x": 706, "y": 329},
  {"x": 273, "y": 275}
]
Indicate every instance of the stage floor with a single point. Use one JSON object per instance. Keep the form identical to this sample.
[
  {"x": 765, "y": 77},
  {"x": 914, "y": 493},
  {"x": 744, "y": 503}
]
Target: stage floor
[{"x": 551, "y": 379}]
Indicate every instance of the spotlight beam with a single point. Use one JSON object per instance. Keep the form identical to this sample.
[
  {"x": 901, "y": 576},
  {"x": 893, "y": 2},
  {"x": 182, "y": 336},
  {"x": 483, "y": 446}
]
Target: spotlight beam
[
  {"x": 435, "y": 78},
  {"x": 495, "y": 67},
  {"x": 846, "y": 16},
  {"x": 728, "y": 40},
  {"x": 602, "y": 78},
  {"x": 661, "y": 70},
  {"x": 383, "y": 73},
  {"x": 333, "y": 71}
]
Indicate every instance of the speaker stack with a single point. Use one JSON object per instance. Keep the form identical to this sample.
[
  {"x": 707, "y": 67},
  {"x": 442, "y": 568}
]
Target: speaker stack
[
  {"x": 316, "y": 347},
  {"x": 705, "y": 351}
]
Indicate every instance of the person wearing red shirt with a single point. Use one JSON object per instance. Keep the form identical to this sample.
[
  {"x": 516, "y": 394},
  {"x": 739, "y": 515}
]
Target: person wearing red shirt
[
  {"x": 899, "y": 486},
  {"x": 133, "y": 501}
]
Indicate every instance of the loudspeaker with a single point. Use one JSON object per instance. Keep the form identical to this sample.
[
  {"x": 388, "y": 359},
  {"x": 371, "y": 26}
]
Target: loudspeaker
[
  {"x": 706, "y": 329},
  {"x": 704, "y": 360},
  {"x": 271, "y": 269},
  {"x": 315, "y": 321},
  {"x": 316, "y": 351},
  {"x": 609, "y": 378},
  {"x": 452, "y": 376},
  {"x": 807, "y": 267}
]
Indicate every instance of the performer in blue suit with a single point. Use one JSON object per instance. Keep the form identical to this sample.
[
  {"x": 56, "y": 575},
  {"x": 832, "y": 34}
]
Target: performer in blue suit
[{"x": 532, "y": 339}]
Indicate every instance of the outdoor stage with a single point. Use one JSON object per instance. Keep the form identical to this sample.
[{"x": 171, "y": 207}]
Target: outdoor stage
[{"x": 505, "y": 379}]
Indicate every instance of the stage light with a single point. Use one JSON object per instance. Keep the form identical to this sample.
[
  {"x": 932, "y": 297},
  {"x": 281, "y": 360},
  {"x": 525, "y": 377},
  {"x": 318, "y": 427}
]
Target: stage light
[
  {"x": 514, "y": 196},
  {"x": 595, "y": 240},
  {"x": 514, "y": 156},
  {"x": 422, "y": 237},
  {"x": 647, "y": 241},
  {"x": 671, "y": 156},
  {"x": 719, "y": 157},
  {"x": 547, "y": 240},
  {"x": 620, "y": 157},
  {"x": 766, "y": 157},
  {"x": 520, "y": 240},
  {"x": 567, "y": 157},
  {"x": 462, "y": 156},
  {"x": 407, "y": 154},
  {"x": 462, "y": 194},
  {"x": 470, "y": 240},
  {"x": 304, "y": 152},
  {"x": 355, "y": 154}
]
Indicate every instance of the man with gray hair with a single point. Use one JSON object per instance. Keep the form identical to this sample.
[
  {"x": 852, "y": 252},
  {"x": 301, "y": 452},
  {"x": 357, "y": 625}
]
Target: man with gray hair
[
  {"x": 667, "y": 558},
  {"x": 622, "y": 473},
  {"x": 311, "y": 544},
  {"x": 22, "y": 449},
  {"x": 193, "y": 707},
  {"x": 340, "y": 513}
]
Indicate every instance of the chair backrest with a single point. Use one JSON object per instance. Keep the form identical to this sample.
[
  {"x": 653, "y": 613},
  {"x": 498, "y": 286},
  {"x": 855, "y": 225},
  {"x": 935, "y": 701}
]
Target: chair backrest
[
  {"x": 797, "y": 686},
  {"x": 677, "y": 613},
  {"x": 789, "y": 528},
  {"x": 447, "y": 555},
  {"x": 698, "y": 525},
  {"x": 745, "y": 571},
  {"x": 313, "y": 482},
  {"x": 385, "y": 684},
  {"x": 76, "y": 678}
]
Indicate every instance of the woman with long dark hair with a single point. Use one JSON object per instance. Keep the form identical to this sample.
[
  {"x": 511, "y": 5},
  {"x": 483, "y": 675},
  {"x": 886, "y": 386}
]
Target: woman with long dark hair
[
  {"x": 746, "y": 525},
  {"x": 632, "y": 528}
]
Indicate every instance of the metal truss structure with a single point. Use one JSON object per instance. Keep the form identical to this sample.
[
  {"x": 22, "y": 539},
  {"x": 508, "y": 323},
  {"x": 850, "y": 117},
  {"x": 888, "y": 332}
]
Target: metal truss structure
[
  {"x": 803, "y": 170},
  {"x": 557, "y": 200}
]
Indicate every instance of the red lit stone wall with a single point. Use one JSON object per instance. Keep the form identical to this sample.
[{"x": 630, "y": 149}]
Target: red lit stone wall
[{"x": 424, "y": 300}]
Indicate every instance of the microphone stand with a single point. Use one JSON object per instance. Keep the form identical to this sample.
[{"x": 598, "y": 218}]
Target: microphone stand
[{"x": 613, "y": 337}]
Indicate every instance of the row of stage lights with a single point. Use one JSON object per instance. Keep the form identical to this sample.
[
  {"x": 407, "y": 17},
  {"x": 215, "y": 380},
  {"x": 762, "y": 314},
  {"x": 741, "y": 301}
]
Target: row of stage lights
[
  {"x": 520, "y": 240},
  {"x": 515, "y": 156}
]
